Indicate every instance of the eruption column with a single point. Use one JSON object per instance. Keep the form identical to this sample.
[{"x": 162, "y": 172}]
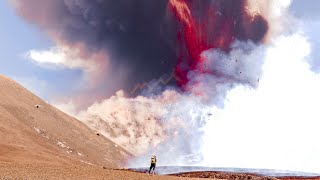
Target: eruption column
[{"x": 216, "y": 25}]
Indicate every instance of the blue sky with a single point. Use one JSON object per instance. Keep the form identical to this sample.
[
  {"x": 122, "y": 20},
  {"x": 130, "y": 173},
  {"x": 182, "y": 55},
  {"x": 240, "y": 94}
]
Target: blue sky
[
  {"x": 17, "y": 37},
  {"x": 308, "y": 10}
]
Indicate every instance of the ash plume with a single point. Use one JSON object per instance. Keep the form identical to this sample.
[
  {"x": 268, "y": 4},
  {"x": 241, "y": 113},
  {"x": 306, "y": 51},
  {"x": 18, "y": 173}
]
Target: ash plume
[
  {"x": 144, "y": 40},
  {"x": 139, "y": 38},
  {"x": 133, "y": 34},
  {"x": 232, "y": 65}
]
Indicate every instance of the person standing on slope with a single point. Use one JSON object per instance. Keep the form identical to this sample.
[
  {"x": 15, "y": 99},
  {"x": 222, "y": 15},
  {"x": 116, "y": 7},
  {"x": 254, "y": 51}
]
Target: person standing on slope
[{"x": 153, "y": 163}]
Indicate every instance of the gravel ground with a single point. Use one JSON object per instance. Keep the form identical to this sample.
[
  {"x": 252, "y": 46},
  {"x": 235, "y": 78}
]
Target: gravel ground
[{"x": 10, "y": 171}]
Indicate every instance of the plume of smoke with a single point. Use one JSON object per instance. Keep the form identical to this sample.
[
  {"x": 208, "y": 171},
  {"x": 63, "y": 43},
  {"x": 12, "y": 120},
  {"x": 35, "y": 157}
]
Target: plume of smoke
[
  {"x": 256, "y": 128},
  {"x": 242, "y": 64},
  {"x": 134, "y": 123},
  {"x": 222, "y": 120},
  {"x": 130, "y": 33},
  {"x": 135, "y": 34},
  {"x": 141, "y": 123},
  {"x": 171, "y": 124}
]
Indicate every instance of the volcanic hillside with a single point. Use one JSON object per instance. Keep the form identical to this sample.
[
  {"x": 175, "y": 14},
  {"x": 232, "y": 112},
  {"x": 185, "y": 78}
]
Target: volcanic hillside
[
  {"x": 37, "y": 141},
  {"x": 33, "y": 131}
]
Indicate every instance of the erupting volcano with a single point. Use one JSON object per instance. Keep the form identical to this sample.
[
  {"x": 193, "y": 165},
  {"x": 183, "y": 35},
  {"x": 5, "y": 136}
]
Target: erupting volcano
[{"x": 207, "y": 25}]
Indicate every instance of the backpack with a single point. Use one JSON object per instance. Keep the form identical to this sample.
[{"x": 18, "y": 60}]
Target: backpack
[{"x": 153, "y": 160}]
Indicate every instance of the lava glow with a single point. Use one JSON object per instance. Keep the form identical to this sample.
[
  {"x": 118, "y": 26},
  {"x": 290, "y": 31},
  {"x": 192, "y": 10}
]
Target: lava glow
[
  {"x": 205, "y": 25},
  {"x": 182, "y": 11}
]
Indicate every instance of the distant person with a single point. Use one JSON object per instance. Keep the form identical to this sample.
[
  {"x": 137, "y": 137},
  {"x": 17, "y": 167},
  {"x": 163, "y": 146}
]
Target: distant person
[{"x": 153, "y": 164}]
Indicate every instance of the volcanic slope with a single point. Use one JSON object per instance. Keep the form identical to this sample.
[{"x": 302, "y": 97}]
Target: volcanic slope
[{"x": 32, "y": 131}]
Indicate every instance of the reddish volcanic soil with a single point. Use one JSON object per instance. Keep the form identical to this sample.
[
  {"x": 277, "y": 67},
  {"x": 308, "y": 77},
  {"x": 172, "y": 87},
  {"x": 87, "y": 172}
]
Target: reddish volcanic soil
[
  {"x": 237, "y": 176},
  {"x": 33, "y": 131},
  {"x": 222, "y": 175}
]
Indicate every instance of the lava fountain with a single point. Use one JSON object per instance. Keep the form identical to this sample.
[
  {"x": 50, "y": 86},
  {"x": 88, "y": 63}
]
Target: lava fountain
[{"x": 207, "y": 25}]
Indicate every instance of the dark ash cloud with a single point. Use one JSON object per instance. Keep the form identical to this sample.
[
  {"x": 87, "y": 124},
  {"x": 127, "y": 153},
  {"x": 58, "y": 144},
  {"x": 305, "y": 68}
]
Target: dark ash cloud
[
  {"x": 140, "y": 37},
  {"x": 135, "y": 33}
]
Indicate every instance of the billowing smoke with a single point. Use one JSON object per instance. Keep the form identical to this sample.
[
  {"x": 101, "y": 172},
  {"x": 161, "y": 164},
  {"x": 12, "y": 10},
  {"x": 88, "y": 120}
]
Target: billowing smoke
[
  {"x": 246, "y": 95},
  {"x": 135, "y": 36},
  {"x": 139, "y": 41},
  {"x": 206, "y": 44},
  {"x": 170, "y": 122},
  {"x": 212, "y": 25}
]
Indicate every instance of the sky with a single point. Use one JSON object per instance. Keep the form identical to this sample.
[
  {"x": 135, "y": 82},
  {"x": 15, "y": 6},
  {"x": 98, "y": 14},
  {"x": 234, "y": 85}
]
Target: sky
[
  {"x": 309, "y": 15},
  {"x": 18, "y": 37}
]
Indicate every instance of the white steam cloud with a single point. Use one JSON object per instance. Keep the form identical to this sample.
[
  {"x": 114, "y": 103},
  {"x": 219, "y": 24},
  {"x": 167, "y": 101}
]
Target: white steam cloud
[
  {"x": 260, "y": 113},
  {"x": 275, "y": 125}
]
